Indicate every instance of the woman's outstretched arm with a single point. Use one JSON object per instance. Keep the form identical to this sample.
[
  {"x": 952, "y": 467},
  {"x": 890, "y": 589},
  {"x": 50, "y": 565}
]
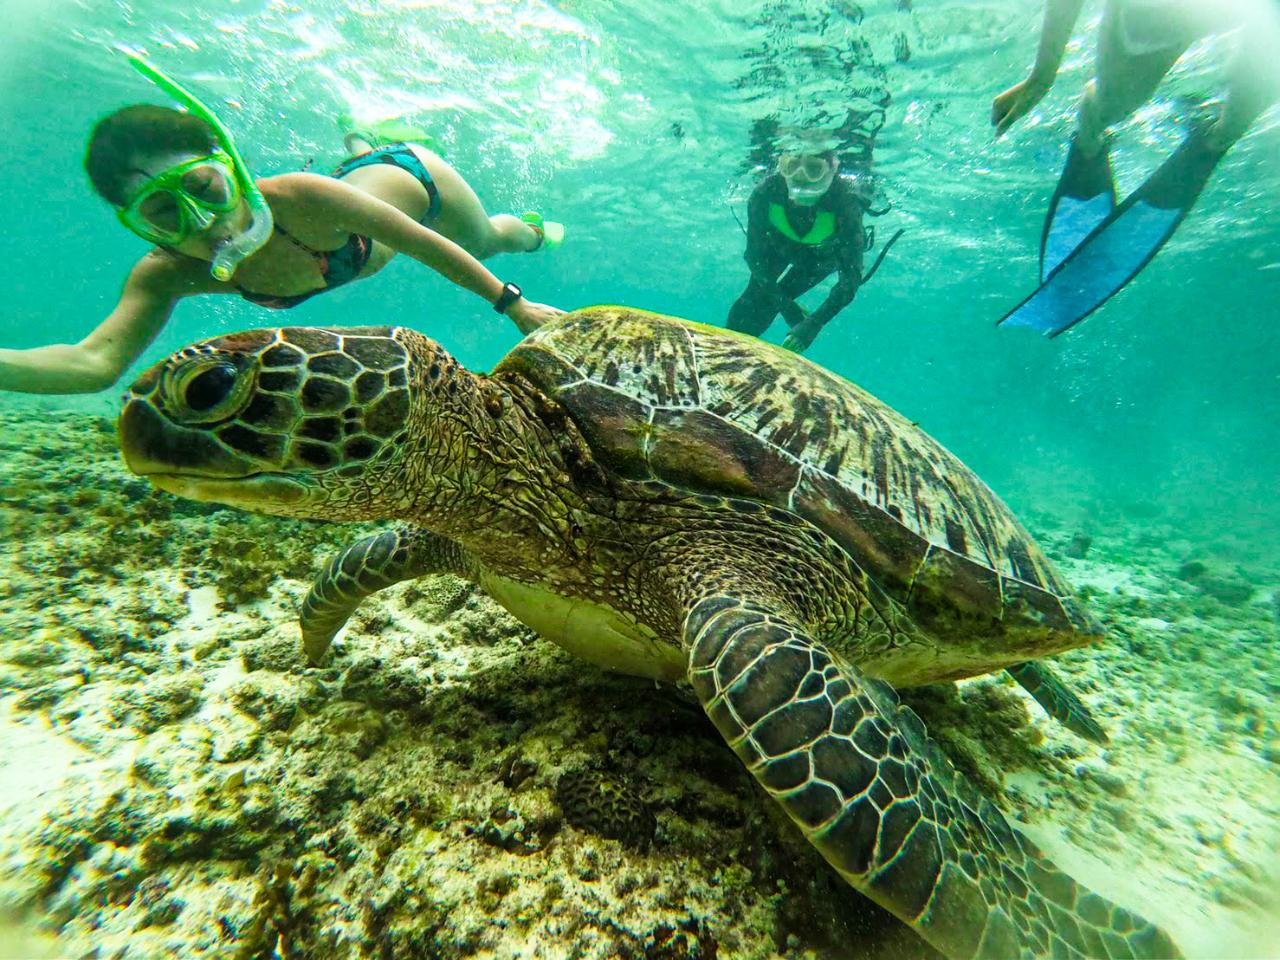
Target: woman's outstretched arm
[{"x": 154, "y": 285}]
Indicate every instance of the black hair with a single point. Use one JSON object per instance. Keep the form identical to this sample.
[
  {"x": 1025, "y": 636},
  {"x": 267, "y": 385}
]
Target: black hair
[{"x": 119, "y": 139}]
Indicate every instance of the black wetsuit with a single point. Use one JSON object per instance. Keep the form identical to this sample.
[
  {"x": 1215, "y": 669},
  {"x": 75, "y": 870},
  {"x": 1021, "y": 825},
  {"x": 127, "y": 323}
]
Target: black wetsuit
[{"x": 770, "y": 252}]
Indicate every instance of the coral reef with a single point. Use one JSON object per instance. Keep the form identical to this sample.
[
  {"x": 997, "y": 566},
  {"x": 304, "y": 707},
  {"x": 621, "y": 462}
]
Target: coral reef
[
  {"x": 451, "y": 786},
  {"x": 609, "y": 806}
]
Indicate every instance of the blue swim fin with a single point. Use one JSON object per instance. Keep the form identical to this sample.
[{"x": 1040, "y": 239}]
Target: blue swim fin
[
  {"x": 1118, "y": 248},
  {"x": 1086, "y": 196}
]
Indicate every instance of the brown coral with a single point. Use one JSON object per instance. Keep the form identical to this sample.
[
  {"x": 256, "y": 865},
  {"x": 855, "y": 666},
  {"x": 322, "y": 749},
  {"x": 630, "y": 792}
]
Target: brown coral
[{"x": 605, "y": 805}]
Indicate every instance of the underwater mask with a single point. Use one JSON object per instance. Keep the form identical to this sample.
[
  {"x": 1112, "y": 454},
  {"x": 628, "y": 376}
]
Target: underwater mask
[
  {"x": 189, "y": 195},
  {"x": 808, "y": 176},
  {"x": 184, "y": 199}
]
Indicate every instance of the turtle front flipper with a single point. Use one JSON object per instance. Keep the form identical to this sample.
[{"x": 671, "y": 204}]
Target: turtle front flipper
[
  {"x": 1048, "y": 690},
  {"x": 859, "y": 775},
  {"x": 365, "y": 567}
]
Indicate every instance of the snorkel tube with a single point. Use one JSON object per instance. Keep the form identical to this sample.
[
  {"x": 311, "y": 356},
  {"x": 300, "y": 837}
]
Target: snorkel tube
[
  {"x": 232, "y": 252},
  {"x": 807, "y": 196}
]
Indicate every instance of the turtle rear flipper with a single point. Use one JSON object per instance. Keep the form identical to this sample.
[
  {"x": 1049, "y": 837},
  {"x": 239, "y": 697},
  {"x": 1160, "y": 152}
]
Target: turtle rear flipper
[
  {"x": 365, "y": 567},
  {"x": 858, "y": 774},
  {"x": 1048, "y": 690}
]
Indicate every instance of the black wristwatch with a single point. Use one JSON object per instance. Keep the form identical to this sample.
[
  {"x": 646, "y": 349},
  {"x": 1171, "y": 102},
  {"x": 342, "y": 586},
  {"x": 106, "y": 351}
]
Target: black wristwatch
[{"x": 509, "y": 295}]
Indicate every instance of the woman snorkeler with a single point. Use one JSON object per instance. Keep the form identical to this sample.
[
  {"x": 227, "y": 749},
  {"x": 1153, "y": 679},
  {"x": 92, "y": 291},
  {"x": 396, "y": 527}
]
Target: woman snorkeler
[{"x": 177, "y": 180}]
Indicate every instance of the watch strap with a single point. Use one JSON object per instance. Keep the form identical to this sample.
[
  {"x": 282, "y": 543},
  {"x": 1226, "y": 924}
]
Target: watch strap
[{"x": 509, "y": 295}]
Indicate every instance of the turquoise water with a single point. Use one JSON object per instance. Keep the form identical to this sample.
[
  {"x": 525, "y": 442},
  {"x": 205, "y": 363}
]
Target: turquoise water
[{"x": 632, "y": 122}]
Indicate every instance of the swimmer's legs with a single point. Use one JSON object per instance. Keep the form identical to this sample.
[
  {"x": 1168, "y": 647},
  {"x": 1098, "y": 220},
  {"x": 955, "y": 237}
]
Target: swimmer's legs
[
  {"x": 804, "y": 276},
  {"x": 1126, "y": 77},
  {"x": 1253, "y": 82},
  {"x": 753, "y": 312},
  {"x": 356, "y": 145},
  {"x": 1084, "y": 274},
  {"x": 463, "y": 218},
  {"x": 511, "y": 234}
]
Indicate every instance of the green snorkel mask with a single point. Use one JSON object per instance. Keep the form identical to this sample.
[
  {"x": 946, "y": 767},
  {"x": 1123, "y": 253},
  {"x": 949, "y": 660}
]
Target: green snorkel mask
[{"x": 231, "y": 253}]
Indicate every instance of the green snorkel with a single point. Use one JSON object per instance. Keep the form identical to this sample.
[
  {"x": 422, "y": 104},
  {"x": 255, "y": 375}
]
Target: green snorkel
[{"x": 230, "y": 254}]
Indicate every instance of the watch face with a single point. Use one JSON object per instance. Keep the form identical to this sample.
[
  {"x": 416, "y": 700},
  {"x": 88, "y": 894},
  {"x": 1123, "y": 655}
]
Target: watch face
[{"x": 509, "y": 295}]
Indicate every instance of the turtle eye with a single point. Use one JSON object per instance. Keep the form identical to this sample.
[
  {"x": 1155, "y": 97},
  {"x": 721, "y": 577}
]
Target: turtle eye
[
  {"x": 210, "y": 387},
  {"x": 203, "y": 392}
]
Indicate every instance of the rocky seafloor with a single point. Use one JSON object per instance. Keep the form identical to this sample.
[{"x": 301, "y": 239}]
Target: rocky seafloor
[{"x": 176, "y": 782}]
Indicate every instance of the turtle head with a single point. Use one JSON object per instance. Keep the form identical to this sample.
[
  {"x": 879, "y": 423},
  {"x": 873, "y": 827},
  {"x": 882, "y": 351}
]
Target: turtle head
[{"x": 287, "y": 421}]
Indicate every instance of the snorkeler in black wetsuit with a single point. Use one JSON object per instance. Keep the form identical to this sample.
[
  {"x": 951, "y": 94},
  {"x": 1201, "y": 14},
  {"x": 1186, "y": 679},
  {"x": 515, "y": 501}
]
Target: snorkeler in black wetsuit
[{"x": 803, "y": 224}]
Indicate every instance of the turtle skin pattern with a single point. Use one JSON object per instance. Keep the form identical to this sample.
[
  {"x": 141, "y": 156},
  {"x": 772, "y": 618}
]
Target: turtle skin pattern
[{"x": 365, "y": 567}]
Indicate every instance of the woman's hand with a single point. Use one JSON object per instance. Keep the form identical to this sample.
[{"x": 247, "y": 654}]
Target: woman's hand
[
  {"x": 1014, "y": 103},
  {"x": 530, "y": 315},
  {"x": 1060, "y": 18}
]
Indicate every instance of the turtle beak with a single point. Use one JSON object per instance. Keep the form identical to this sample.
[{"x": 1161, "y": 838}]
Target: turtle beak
[
  {"x": 152, "y": 444},
  {"x": 264, "y": 493},
  {"x": 192, "y": 464}
]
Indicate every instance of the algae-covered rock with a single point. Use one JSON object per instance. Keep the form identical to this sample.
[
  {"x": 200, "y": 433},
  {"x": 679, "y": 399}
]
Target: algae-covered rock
[
  {"x": 160, "y": 905},
  {"x": 1226, "y": 585},
  {"x": 507, "y": 829},
  {"x": 163, "y": 700},
  {"x": 1078, "y": 546},
  {"x": 166, "y": 758},
  {"x": 363, "y": 727},
  {"x": 382, "y": 683},
  {"x": 44, "y": 647},
  {"x": 437, "y": 599},
  {"x": 271, "y": 700},
  {"x": 215, "y": 826},
  {"x": 280, "y": 652}
]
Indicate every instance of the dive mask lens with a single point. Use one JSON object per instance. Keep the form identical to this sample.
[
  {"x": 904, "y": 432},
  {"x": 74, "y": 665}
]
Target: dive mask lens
[
  {"x": 166, "y": 218},
  {"x": 815, "y": 169},
  {"x": 182, "y": 200},
  {"x": 809, "y": 178},
  {"x": 806, "y": 169},
  {"x": 160, "y": 212},
  {"x": 157, "y": 216},
  {"x": 211, "y": 184}
]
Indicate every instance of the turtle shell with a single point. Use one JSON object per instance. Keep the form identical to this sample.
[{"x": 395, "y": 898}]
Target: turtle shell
[{"x": 712, "y": 411}]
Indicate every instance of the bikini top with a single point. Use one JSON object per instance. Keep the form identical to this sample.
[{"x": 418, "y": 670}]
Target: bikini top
[
  {"x": 344, "y": 264},
  {"x": 336, "y": 267}
]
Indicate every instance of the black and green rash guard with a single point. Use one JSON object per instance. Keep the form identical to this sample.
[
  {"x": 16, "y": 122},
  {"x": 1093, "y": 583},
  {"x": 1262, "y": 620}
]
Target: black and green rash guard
[{"x": 770, "y": 250}]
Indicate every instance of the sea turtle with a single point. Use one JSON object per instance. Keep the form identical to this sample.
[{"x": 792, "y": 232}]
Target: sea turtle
[{"x": 685, "y": 503}]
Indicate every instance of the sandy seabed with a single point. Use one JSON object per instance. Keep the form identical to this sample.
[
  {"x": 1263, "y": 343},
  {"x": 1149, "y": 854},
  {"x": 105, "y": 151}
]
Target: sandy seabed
[{"x": 175, "y": 781}]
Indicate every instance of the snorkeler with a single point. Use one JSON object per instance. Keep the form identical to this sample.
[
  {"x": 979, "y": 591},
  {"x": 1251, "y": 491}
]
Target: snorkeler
[
  {"x": 804, "y": 223},
  {"x": 177, "y": 180},
  {"x": 1090, "y": 246}
]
